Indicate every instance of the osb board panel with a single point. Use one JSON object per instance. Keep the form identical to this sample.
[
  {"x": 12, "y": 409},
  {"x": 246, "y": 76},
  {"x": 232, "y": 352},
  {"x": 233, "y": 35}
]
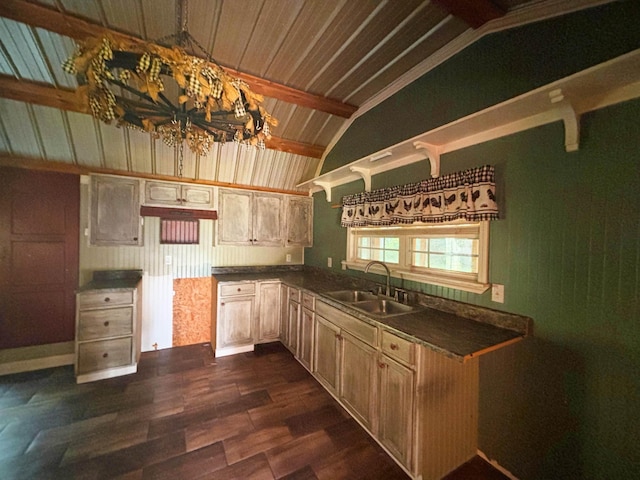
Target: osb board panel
[{"x": 191, "y": 311}]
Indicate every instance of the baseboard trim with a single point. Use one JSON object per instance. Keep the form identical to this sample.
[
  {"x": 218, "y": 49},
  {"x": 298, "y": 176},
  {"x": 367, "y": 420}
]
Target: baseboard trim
[
  {"x": 32, "y": 364},
  {"x": 223, "y": 352}
]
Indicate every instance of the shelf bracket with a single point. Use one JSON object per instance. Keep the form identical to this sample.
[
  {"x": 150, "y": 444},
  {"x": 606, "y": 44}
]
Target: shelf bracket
[
  {"x": 570, "y": 119},
  {"x": 433, "y": 154},
  {"x": 326, "y": 186},
  {"x": 365, "y": 173}
]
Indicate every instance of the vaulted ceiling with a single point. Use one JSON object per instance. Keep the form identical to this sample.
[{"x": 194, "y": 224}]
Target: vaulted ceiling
[{"x": 319, "y": 64}]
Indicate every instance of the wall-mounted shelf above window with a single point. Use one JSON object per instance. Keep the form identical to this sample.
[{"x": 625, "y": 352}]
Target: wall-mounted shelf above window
[{"x": 608, "y": 83}]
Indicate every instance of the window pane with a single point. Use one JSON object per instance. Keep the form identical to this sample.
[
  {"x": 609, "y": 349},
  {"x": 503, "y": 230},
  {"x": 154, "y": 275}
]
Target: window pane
[
  {"x": 419, "y": 260},
  {"x": 392, "y": 243},
  {"x": 392, "y": 257},
  {"x": 364, "y": 241},
  {"x": 377, "y": 254},
  {"x": 438, "y": 245},
  {"x": 363, "y": 253},
  {"x": 438, "y": 261}
]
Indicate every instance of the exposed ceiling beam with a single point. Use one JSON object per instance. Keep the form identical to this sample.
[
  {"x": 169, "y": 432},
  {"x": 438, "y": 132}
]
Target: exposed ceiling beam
[
  {"x": 80, "y": 29},
  {"x": 48, "y": 96},
  {"x": 474, "y": 13}
]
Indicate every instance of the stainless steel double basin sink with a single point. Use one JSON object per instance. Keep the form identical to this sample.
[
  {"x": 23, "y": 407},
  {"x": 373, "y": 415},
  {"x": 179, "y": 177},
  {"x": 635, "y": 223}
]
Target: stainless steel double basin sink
[{"x": 370, "y": 303}]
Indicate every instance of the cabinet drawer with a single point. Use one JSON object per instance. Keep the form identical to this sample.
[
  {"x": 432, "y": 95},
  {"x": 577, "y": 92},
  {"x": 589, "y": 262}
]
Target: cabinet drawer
[
  {"x": 93, "y": 356},
  {"x": 308, "y": 301},
  {"x": 110, "y": 322},
  {"x": 294, "y": 294},
  {"x": 358, "y": 328},
  {"x": 230, "y": 289},
  {"x": 398, "y": 348},
  {"x": 105, "y": 298}
]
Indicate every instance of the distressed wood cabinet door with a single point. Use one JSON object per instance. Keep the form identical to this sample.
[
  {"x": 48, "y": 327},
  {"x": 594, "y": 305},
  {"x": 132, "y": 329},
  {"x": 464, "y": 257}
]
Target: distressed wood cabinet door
[
  {"x": 235, "y": 321},
  {"x": 327, "y": 355},
  {"x": 358, "y": 378},
  {"x": 395, "y": 415},
  {"x": 292, "y": 326},
  {"x": 299, "y": 222},
  {"x": 268, "y": 321},
  {"x": 306, "y": 337},
  {"x": 179, "y": 195},
  {"x": 235, "y": 219},
  {"x": 115, "y": 211},
  {"x": 267, "y": 219}
]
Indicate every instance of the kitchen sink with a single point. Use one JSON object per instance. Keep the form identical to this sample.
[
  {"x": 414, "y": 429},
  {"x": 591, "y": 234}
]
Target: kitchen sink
[
  {"x": 352, "y": 296},
  {"x": 383, "y": 307},
  {"x": 371, "y": 303}
]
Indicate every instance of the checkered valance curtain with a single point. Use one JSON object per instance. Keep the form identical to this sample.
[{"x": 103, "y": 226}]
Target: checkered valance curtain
[{"x": 468, "y": 195}]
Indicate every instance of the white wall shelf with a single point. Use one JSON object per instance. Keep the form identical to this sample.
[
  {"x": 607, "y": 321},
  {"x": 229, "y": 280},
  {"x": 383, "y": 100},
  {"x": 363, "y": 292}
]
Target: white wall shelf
[{"x": 608, "y": 83}]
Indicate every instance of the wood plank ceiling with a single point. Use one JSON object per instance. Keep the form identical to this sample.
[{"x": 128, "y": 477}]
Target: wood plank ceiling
[{"x": 319, "y": 64}]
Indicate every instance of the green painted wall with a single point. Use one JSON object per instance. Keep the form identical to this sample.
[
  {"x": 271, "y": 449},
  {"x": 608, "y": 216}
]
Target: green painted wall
[
  {"x": 496, "y": 68},
  {"x": 564, "y": 403}
]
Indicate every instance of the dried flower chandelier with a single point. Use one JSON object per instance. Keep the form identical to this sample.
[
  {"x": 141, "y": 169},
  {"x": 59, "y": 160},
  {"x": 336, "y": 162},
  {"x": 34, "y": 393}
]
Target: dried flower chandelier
[{"x": 125, "y": 81}]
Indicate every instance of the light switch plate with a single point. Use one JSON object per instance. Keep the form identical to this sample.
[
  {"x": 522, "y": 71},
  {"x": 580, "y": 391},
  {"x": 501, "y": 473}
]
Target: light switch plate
[
  {"x": 497, "y": 293},
  {"x": 329, "y": 262}
]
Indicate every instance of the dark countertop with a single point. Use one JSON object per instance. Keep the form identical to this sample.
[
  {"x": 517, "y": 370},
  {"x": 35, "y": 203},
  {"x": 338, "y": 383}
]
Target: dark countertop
[
  {"x": 452, "y": 334},
  {"x": 112, "y": 279}
]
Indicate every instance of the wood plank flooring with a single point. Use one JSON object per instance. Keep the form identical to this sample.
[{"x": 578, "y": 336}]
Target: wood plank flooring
[{"x": 185, "y": 415}]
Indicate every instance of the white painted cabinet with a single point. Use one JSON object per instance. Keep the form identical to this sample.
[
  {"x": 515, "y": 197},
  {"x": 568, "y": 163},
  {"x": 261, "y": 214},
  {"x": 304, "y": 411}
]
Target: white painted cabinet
[
  {"x": 299, "y": 221},
  {"x": 307, "y": 331},
  {"x": 173, "y": 194},
  {"x": 115, "y": 211},
  {"x": 268, "y": 312},
  {"x": 293, "y": 319},
  {"x": 250, "y": 218},
  {"x": 397, "y": 380},
  {"x": 107, "y": 333},
  {"x": 421, "y": 406},
  {"x": 235, "y": 318}
]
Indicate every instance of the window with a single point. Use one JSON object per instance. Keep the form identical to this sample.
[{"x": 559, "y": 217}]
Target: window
[{"x": 453, "y": 254}]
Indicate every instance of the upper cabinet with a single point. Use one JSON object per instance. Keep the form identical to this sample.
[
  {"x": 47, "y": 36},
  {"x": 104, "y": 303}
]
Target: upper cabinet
[
  {"x": 299, "y": 222},
  {"x": 250, "y": 218},
  {"x": 265, "y": 219},
  {"x": 171, "y": 194},
  {"x": 115, "y": 211}
]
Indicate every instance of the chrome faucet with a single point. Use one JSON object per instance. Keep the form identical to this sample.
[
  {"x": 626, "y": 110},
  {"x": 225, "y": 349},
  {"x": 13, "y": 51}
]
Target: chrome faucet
[{"x": 373, "y": 262}]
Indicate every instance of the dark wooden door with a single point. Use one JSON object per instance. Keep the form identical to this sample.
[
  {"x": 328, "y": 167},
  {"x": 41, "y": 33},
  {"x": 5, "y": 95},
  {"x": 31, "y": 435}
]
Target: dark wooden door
[{"x": 39, "y": 237}]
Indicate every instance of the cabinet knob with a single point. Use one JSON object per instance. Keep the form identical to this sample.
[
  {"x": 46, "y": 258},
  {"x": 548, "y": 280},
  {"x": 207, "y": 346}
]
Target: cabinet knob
[
  {"x": 106, "y": 324},
  {"x": 107, "y": 299},
  {"x": 135, "y": 239},
  {"x": 393, "y": 346},
  {"x": 239, "y": 289},
  {"x": 105, "y": 355},
  {"x": 221, "y": 303},
  {"x": 382, "y": 365}
]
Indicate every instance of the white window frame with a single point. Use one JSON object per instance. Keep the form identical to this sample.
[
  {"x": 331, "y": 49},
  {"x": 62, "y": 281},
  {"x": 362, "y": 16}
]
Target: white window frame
[{"x": 469, "y": 282}]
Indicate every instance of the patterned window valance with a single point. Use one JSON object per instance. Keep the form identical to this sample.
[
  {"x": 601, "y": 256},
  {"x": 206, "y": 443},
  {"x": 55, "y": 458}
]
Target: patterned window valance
[{"x": 468, "y": 195}]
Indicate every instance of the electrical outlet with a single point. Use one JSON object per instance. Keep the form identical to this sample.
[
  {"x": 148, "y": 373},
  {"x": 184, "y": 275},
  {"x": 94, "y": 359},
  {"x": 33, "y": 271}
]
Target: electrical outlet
[
  {"x": 329, "y": 262},
  {"x": 497, "y": 293},
  {"x": 288, "y": 257},
  {"x": 167, "y": 260}
]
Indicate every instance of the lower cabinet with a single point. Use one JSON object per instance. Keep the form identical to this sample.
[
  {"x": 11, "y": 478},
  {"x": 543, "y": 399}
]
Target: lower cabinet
[
  {"x": 306, "y": 331},
  {"x": 397, "y": 388},
  {"x": 358, "y": 378},
  {"x": 107, "y": 333},
  {"x": 326, "y": 358},
  {"x": 247, "y": 313},
  {"x": 268, "y": 312},
  {"x": 293, "y": 319},
  {"x": 235, "y": 318},
  {"x": 421, "y": 406}
]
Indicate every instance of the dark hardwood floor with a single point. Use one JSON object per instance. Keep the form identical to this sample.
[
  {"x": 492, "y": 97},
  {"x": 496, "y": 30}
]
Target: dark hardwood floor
[{"x": 186, "y": 415}]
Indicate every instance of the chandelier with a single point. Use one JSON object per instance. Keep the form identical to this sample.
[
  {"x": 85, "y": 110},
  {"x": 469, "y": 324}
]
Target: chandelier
[{"x": 175, "y": 96}]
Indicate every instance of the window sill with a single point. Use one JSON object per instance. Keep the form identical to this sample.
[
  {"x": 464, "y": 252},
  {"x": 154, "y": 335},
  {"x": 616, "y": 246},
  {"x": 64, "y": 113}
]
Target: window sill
[{"x": 457, "y": 283}]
